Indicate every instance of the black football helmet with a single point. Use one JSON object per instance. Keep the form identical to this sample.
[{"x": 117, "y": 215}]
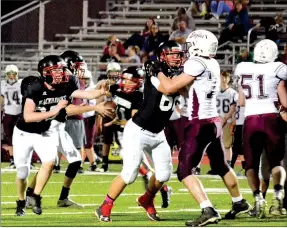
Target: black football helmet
[
  {"x": 53, "y": 70},
  {"x": 76, "y": 63},
  {"x": 131, "y": 79},
  {"x": 171, "y": 57},
  {"x": 30, "y": 83}
]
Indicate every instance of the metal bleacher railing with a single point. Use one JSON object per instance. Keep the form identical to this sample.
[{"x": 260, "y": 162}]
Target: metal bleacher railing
[{"x": 89, "y": 40}]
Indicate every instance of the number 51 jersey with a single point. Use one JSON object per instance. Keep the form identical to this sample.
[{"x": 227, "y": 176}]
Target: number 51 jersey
[
  {"x": 259, "y": 82},
  {"x": 156, "y": 108},
  {"x": 12, "y": 97}
]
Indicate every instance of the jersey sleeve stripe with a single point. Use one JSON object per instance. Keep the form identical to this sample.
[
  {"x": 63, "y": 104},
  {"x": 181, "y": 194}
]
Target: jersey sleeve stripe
[{"x": 202, "y": 63}]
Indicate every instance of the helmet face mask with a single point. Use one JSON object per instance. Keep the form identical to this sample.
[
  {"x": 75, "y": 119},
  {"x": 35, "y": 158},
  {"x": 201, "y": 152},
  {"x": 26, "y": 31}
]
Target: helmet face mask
[
  {"x": 11, "y": 74},
  {"x": 171, "y": 57},
  {"x": 131, "y": 79},
  {"x": 79, "y": 69},
  {"x": 75, "y": 63},
  {"x": 53, "y": 70},
  {"x": 201, "y": 43}
]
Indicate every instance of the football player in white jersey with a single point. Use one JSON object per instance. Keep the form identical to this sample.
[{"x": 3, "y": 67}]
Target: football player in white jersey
[
  {"x": 11, "y": 99},
  {"x": 226, "y": 108},
  {"x": 202, "y": 75},
  {"x": 261, "y": 83}
]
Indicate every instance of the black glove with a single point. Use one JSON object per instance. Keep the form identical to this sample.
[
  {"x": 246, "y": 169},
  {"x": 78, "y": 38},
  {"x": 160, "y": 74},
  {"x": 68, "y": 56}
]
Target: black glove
[{"x": 152, "y": 68}]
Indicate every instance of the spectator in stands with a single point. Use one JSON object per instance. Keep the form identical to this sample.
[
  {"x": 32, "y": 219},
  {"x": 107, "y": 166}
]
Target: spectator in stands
[
  {"x": 218, "y": 7},
  {"x": 138, "y": 38},
  {"x": 152, "y": 42},
  {"x": 133, "y": 57},
  {"x": 200, "y": 7},
  {"x": 181, "y": 34},
  {"x": 272, "y": 26},
  {"x": 283, "y": 57},
  {"x": 181, "y": 14},
  {"x": 237, "y": 24},
  {"x": 244, "y": 56},
  {"x": 147, "y": 28},
  {"x": 110, "y": 57},
  {"x": 114, "y": 40}
]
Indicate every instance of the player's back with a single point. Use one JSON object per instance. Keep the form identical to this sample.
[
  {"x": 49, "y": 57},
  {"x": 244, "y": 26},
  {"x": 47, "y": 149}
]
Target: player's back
[
  {"x": 259, "y": 82},
  {"x": 12, "y": 97},
  {"x": 203, "y": 91},
  {"x": 156, "y": 108}
]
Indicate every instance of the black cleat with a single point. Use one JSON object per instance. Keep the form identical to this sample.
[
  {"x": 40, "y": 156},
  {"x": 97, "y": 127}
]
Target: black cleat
[
  {"x": 92, "y": 168},
  {"x": 238, "y": 208},
  {"x": 36, "y": 204},
  {"x": 57, "y": 169},
  {"x": 165, "y": 195},
  {"x": 81, "y": 170},
  {"x": 208, "y": 216},
  {"x": 20, "y": 209}
]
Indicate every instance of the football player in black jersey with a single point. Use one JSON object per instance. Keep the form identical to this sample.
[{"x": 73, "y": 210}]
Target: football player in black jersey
[
  {"x": 44, "y": 102},
  {"x": 144, "y": 132}
]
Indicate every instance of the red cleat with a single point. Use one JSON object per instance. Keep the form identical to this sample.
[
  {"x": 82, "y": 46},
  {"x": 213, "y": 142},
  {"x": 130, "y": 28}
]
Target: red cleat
[
  {"x": 104, "y": 212},
  {"x": 148, "y": 205}
]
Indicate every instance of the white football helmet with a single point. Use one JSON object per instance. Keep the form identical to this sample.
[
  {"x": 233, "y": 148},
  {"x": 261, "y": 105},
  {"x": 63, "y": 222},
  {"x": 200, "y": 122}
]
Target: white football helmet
[
  {"x": 113, "y": 66},
  {"x": 201, "y": 43},
  {"x": 11, "y": 73},
  {"x": 265, "y": 51}
]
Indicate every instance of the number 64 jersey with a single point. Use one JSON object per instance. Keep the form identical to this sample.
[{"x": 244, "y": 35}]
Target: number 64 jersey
[
  {"x": 12, "y": 97},
  {"x": 259, "y": 82}
]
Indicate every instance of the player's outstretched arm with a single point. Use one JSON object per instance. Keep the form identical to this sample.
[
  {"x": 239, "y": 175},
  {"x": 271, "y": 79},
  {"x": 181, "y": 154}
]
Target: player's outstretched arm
[
  {"x": 241, "y": 96},
  {"x": 172, "y": 85},
  {"x": 79, "y": 109},
  {"x": 30, "y": 115},
  {"x": 91, "y": 94}
]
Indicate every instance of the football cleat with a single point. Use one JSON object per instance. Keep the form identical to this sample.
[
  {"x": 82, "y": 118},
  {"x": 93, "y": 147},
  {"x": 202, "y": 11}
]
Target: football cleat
[
  {"x": 68, "y": 203},
  {"x": 165, "y": 195},
  {"x": 104, "y": 212},
  {"x": 260, "y": 206},
  {"x": 11, "y": 166},
  {"x": 238, "y": 208},
  {"x": 148, "y": 205},
  {"x": 208, "y": 216},
  {"x": 36, "y": 204},
  {"x": 57, "y": 169},
  {"x": 81, "y": 170},
  {"x": 276, "y": 208},
  {"x": 28, "y": 202},
  {"x": 103, "y": 169},
  {"x": 20, "y": 209},
  {"x": 92, "y": 168}
]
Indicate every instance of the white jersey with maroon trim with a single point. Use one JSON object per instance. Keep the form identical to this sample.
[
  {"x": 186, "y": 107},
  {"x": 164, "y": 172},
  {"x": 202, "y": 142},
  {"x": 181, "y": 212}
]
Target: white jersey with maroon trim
[
  {"x": 92, "y": 102},
  {"x": 12, "y": 97},
  {"x": 224, "y": 100},
  {"x": 204, "y": 89},
  {"x": 259, "y": 82}
]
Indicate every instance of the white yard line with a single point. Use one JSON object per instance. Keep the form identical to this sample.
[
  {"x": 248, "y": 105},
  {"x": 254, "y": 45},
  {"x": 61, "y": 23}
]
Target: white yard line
[
  {"x": 117, "y": 212},
  {"x": 223, "y": 190},
  {"x": 88, "y": 173}
]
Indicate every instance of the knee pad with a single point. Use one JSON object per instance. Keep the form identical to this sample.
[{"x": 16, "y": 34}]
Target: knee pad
[
  {"x": 163, "y": 175},
  {"x": 73, "y": 169},
  {"x": 220, "y": 169},
  {"x": 23, "y": 172},
  {"x": 129, "y": 174}
]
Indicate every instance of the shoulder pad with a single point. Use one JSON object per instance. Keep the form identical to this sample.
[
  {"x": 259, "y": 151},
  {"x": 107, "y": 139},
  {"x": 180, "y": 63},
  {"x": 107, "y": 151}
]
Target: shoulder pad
[{"x": 31, "y": 85}]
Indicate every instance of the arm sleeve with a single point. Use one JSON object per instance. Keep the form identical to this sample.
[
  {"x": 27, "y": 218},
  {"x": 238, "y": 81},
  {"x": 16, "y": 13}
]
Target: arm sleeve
[
  {"x": 281, "y": 72},
  {"x": 138, "y": 101},
  {"x": 2, "y": 88},
  {"x": 73, "y": 85},
  {"x": 194, "y": 67}
]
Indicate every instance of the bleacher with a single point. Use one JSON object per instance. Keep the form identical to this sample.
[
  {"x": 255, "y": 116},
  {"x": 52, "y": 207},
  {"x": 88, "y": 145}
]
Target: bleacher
[{"x": 90, "y": 38}]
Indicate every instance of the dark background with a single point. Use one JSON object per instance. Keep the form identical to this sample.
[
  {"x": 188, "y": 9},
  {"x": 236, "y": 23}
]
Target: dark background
[{"x": 59, "y": 16}]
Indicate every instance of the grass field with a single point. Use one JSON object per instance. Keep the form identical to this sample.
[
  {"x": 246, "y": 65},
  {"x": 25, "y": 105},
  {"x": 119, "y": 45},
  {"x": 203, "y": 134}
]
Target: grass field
[{"x": 89, "y": 189}]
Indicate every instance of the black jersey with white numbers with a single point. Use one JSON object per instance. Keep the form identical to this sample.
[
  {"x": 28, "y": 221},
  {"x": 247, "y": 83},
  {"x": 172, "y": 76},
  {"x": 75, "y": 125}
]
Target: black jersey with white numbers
[
  {"x": 45, "y": 100},
  {"x": 156, "y": 108}
]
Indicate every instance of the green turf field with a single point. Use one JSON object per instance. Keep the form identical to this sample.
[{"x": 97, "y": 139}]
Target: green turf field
[{"x": 90, "y": 189}]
